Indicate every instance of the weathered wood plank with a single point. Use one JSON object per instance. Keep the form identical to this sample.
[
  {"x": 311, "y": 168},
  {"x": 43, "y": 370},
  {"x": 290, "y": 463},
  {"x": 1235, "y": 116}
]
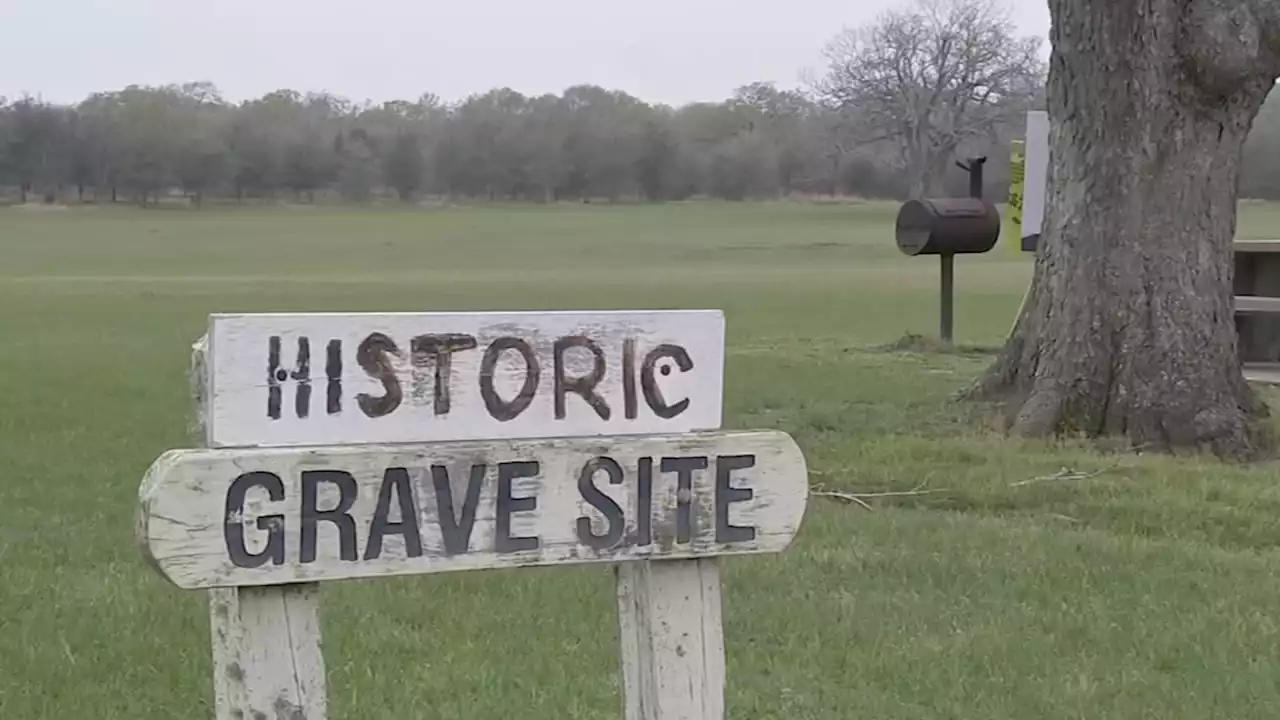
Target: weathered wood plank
[
  {"x": 266, "y": 653},
  {"x": 1257, "y": 304},
  {"x": 1256, "y": 246},
  {"x": 672, "y": 640},
  {"x": 1267, "y": 373},
  {"x": 325, "y": 379},
  {"x": 217, "y": 518},
  {"x": 1257, "y": 275},
  {"x": 266, "y": 642}
]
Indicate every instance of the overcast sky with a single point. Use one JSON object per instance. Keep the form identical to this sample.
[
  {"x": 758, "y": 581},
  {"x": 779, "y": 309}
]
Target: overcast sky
[{"x": 672, "y": 51}]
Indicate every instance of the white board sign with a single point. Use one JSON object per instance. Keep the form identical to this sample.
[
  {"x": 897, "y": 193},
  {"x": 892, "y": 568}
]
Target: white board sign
[
  {"x": 1037, "y": 178},
  {"x": 270, "y": 516},
  {"x": 276, "y": 380}
]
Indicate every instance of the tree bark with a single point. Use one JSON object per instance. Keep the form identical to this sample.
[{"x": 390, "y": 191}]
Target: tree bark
[{"x": 1128, "y": 328}]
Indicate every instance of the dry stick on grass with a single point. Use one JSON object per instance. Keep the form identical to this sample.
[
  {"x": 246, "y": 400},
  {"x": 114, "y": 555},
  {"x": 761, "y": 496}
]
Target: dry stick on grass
[
  {"x": 862, "y": 498},
  {"x": 845, "y": 497},
  {"x": 1063, "y": 474}
]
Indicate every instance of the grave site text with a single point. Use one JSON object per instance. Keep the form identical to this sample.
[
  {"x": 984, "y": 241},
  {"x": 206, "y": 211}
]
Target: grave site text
[{"x": 419, "y": 505}]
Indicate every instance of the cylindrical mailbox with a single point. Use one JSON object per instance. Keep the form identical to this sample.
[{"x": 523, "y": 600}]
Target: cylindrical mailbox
[{"x": 947, "y": 226}]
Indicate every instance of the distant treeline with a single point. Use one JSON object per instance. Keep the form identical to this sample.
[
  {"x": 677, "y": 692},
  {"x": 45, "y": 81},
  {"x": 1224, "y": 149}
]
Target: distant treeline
[{"x": 139, "y": 143}]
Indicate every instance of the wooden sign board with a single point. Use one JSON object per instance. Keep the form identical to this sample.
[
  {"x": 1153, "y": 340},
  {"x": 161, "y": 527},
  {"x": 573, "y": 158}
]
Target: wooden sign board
[
  {"x": 1036, "y": 179},
  {"x": 271, "y": 516},
  {"x": 361, "y": 445},
  {"x": 278, "y": 380}
]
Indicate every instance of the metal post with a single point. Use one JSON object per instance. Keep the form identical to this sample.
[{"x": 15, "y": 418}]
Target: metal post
[
  {"x": 947, "y": 294},
  {"x": 975, "y": 176}
]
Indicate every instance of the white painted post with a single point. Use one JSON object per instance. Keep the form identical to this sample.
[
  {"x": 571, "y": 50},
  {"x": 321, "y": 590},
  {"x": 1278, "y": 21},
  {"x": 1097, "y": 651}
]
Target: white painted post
[
  {"x": 267, "y": 661},
  {"x": 266, "y": 652},
  {"x": 672, "y": 640}
]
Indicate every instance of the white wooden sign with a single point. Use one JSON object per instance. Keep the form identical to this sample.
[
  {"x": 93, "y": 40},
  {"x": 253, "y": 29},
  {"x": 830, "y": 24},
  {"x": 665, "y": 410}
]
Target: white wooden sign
[
  {"x": 224, "y": 518},
  {"x": 326, "y": 379},
  {"x": 1037, "y": 177},
  {"x": 361, "y": 445}
]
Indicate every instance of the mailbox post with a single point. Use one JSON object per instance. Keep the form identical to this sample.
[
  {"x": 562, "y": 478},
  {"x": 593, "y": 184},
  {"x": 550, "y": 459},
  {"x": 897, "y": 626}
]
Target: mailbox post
[{"x": 947, "y": 227}]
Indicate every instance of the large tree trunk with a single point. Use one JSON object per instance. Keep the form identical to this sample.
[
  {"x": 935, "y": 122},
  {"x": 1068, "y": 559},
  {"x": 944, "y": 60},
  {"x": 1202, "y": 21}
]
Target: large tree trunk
[{"x": 1128, "y": 327}]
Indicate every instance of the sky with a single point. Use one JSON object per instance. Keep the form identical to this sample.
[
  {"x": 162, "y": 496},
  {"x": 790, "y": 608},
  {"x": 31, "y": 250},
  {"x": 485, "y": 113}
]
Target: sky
[{"x": 669, "y": 51}]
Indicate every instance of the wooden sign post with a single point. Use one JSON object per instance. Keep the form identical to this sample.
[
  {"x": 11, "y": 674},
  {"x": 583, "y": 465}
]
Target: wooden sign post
[{"x": 357, "y": 446}]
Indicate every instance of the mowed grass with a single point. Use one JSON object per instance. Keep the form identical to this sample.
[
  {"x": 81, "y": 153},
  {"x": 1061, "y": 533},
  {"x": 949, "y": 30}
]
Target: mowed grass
[{"x": 1126, "y": 587}]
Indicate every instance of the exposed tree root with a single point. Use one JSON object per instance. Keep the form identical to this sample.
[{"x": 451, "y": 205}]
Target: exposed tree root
[{"x": 1229, "y": 425}]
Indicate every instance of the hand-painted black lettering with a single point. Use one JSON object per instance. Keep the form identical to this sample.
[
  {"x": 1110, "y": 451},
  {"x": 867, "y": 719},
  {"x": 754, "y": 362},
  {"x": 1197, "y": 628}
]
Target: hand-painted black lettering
[
  {"x": 302, "y": 374},
  {"x": 652, "y": 393},
  {"x": 684, "y": 468},
  {"x": 644, "y": 503},
  {"x": 333, "y": 373},
  {"x": 372, "y": 355},
  {"x": 584, "y": 386},
  {"x": 503, "y": 541},
  {"x": 605, "y": 504},
  {"x": 426, "y": 350},
  {"x": 339, "y": 515},
  {"x": 725, "y": 465},
  {"x": 629, "y": 400},
  {"x": 233, "y": 521},
  {"x": 395, "y": 481},
  {"x": 276, "y": 375},
  {"x": 499, "y": 409},
  {"x": 456, "y": 530},
  {"x": 273, "y": 382}
]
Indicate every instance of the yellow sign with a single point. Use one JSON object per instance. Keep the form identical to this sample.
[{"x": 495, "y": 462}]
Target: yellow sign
[{"x": 1017, "y": 184}]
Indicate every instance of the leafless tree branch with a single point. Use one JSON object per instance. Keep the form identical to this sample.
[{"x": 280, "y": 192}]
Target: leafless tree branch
[{"x": 932, "y": 76}]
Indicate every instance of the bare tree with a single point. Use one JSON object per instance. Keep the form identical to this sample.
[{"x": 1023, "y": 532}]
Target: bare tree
[
  {"x": 931, "y": 77},
  {"x": 1127, "y": 328}
]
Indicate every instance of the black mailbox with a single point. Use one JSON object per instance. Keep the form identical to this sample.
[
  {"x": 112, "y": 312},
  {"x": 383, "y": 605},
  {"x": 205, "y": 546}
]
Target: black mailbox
[{"x": 947, "y": 226}]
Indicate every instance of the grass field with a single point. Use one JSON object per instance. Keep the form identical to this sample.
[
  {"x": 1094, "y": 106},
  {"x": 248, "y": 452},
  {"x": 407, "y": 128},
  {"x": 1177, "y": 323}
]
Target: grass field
[{"x": 1137, "y": 587}]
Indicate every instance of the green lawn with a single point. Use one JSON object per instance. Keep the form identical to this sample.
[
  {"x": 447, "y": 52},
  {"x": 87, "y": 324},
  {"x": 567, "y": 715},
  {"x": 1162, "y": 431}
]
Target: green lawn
[{"x": 1131, "y": 587}]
